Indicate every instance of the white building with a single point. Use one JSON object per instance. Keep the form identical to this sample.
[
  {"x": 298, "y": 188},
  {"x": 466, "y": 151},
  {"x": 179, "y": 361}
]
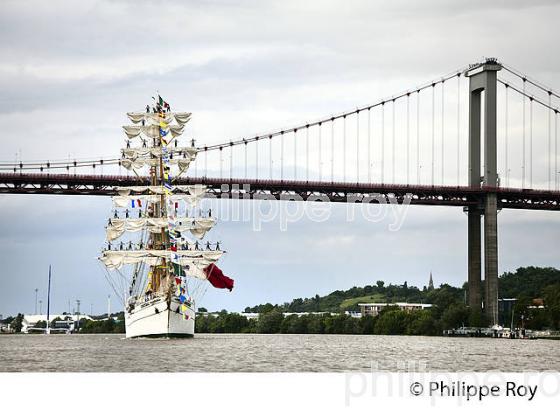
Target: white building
[
  {"x": 300, "y": 314},
  {"x": 373, "y": 309},
  {"x": 30, "y": 321},
  {"x": 351, "y": 313}
]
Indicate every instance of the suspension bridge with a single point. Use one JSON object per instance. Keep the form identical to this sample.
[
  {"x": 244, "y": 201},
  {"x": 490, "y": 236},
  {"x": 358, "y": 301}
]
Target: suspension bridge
[{"x": 483, "y": 137}]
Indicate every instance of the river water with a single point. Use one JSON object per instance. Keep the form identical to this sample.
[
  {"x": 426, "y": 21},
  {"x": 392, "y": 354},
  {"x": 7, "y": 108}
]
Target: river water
[{"x": 273, "y": 353}]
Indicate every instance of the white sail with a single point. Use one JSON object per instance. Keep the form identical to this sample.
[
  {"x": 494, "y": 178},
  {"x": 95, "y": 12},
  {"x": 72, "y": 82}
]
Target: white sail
[
  {"x": 158, "y": 189},
  {"x": 126, "y": 201},
  {"x": 196, "y": 226},
  {"x": 139, "y": 163},
  {"x": 194, "y": 258},
  {"x": 181, "y": 117},
  {"x": 157, "y": 152},
  {"x": 152, "y": 130}
]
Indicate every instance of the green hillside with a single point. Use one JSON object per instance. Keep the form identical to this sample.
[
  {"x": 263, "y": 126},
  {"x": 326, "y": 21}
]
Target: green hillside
[{"x": 352, "y": 303}]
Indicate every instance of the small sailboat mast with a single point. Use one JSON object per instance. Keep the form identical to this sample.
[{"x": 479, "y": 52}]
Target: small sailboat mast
[{"x": 48, "y": 329}]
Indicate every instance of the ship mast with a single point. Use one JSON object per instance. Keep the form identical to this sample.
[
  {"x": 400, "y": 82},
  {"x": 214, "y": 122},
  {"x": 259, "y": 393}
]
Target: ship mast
[
  {"x": 162, "y": 271},
  {"x": 165, "y": 263}
]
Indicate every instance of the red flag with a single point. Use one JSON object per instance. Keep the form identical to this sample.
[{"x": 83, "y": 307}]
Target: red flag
[{"x": 217, "y": 278}]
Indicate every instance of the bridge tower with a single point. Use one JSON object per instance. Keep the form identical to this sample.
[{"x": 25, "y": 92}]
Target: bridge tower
[{"x": 482, "y": 123}]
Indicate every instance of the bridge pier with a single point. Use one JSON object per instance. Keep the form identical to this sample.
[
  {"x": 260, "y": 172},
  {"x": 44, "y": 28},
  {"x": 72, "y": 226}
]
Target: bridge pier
[
  {"x": 482, "y": 83},
  {"x": 474, "y": 257},
  {"x": 491, "y": 258}
]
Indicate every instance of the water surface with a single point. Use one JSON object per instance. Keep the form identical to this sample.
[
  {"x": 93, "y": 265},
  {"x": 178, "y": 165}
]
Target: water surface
[{"x": 273, "y": 353}]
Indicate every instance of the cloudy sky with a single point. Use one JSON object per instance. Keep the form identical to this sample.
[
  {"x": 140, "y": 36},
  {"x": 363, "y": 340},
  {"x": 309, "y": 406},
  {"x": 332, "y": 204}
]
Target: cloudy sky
[{"x": 70, "y": 70}]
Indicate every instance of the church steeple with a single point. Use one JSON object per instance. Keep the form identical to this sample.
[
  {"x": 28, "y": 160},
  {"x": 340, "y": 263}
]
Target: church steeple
[{"x": 431, "y": 283}]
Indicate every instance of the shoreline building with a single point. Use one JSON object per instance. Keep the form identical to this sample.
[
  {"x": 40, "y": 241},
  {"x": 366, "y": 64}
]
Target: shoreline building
[
  {"x": 65, "y": 322},
  {"x": 373, "y": 309}
]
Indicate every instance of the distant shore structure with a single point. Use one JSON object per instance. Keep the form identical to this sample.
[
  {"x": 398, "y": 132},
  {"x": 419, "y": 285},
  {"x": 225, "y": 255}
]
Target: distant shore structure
[
  {"x": 431, "y": 282},
  {"x": 373, "y": 309}
]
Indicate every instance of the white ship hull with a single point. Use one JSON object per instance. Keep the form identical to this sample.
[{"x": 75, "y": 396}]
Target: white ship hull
[{"x": 154, "y": 319}]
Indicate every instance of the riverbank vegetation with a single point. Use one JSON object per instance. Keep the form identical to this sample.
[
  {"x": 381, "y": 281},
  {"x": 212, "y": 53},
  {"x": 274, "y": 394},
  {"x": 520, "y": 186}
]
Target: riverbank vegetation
[
  {"x": 537, "y": 291},
  {"x": 104, "y": 325},
  {"x": 529, "y": 285}
]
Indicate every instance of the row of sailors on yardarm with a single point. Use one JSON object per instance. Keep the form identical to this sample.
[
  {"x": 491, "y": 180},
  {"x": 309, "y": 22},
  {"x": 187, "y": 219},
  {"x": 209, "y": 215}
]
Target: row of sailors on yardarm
[
  {"x": 184, "y": 246},
  {"x": 201, "y": 214}
]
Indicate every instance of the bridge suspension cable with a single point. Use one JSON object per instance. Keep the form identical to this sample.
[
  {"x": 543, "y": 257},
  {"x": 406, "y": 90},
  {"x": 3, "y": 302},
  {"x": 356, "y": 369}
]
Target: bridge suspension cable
[
  {"x": 531, "y": 143},
  {"x": 548, "y": 157},
  {"x": 506, "y": 132},
  {"x": 256, "y": 161},
  {"x": 320, "y": 159},
  {"x": 336, "y": 117},
  {"x": 393, "y": 146},
  {"x": 443, "y": 133},
  {"x": 332, "y": 150},
  {"x": 524, "y": 143},
  {"x": 45, "y": 165},
  {"x": 407, "y": 139},
  {"x": 531, "y": 81},
  {"x": 433, "y": 129},
  {"x": 370, "y": 165},
  {"x": 270, "y": 157},
  {"x": 306, "y": 153},
  {"x": 295, "y": 155},
  {"x": 524, "y": 93},
  {"x": 527, "y": 163},
  {"x": 344, "y": 149},
  {"x": 418, "y": 138},
  {"x": 282, "y": 156},
  {"x": 556, "y": 175},
  {"x": 458, "y": 128},
  {"x": 48, "y": 165}
]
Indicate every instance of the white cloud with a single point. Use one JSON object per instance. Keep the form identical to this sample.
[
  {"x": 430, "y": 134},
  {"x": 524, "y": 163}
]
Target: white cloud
[{"x": 70, "y": 70}]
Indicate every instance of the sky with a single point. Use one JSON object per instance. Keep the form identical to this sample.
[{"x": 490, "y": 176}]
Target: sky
[{"x": 71, "y": 70}]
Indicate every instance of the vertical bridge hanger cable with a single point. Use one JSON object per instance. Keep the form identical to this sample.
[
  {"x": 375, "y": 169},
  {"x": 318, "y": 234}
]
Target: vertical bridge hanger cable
[{"x": 114, "y": 161}]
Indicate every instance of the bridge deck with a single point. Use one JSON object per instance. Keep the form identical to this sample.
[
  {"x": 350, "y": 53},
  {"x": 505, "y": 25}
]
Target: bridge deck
[{"x": 68, "y": 184}]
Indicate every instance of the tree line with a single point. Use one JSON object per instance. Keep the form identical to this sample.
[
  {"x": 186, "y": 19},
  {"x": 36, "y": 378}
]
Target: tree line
[{"x": 449, "y": 310}]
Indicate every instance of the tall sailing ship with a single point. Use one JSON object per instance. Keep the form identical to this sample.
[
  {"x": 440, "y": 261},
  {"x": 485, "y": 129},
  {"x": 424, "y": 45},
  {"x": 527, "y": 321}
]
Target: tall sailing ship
[{"x": 165, "y": 264}]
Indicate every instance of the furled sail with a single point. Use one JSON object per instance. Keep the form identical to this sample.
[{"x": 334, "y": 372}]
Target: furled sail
[
  {"x": 157, "y": 152},
  {"x": 158, "y": 189},
  {"x": 152, "y": 130},
  {"x": 196, "y": 226},
  {"x": 181, "y": 117},
  {"x": 125, "y": 201},
  {"x": 116, "y": 259},
  {"x": 140, "y": 163}
]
